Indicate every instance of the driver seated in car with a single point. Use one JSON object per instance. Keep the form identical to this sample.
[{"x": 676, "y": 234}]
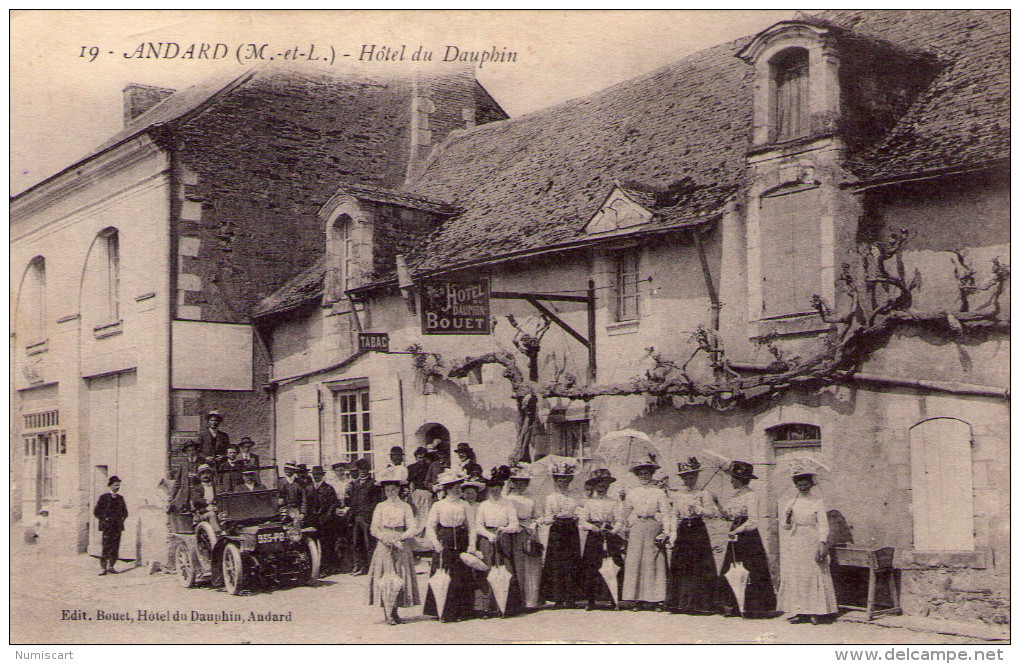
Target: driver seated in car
[{"x": 203, "y": 497}]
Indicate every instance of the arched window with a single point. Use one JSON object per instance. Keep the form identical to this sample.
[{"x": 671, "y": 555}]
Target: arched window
[
  {"x": 942, "y": 485},
  {"x": 32, "y": 310},
  {"x": 340, "y": 246},
  {"x": 790, "y": 76},
  {"x": 101, "y": 288}
]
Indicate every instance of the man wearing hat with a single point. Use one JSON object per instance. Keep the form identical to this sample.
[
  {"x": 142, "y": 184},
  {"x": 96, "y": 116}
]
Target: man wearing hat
[
  {"x": 363, "y": 496},
  {"x": 248, "y": 458},
  {"x": 211, "y": 441},
  {"x": 230, "y": 467},
  {"x": 111, "y": 512},
  {"x": 250, "y": 481},
  {"x": 322, "y": 516},
  {"x": 185, "y": 475},
  {"x": 203, "y": 496},
  {"x": 290, "y": 492},
  {"x": 396, "y": 465}
]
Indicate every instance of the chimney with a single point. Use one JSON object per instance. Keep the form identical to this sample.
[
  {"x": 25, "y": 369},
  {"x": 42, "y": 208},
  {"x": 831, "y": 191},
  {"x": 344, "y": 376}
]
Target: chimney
[{"x": 140, "y": 98}]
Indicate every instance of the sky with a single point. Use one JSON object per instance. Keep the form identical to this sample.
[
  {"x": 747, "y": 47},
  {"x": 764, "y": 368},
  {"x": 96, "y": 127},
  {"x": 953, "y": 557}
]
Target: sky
[{"x": 65, "y": 100}]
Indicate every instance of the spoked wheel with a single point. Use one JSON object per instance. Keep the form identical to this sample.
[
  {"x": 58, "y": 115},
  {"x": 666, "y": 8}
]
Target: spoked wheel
[
  {"x": 205, "y": 540},
  {"x": 233, "y": 568},
  {"x": 315, "y": 559},
  {"x": 186, "y": 560}
]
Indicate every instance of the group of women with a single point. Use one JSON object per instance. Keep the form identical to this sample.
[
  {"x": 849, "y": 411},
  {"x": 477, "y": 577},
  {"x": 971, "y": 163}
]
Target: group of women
[{"x": 649, "y": 550}]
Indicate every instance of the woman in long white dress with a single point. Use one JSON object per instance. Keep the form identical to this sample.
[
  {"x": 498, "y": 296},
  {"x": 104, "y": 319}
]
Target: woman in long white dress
[
  {"x": 806, "y": 591},
  {"x": 393, "y": 524},
  {"x": 646, "y": 511}
]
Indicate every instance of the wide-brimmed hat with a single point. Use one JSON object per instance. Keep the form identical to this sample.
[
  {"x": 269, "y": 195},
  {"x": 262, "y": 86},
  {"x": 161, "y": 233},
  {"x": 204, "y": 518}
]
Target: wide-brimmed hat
[
  {"x": 389, "y": 476},
  {"x": 692, "y": 465},
  {"x": 462, "y": 447},
  {"x": 646, "y": 462},
  {"x": 205, "y": 468},
  {"x": 473, "y": 482},
  {"x": 301, "y": 469},
  {"x": 741, "y": 470},
  {"x": 339, "y": 465},
  {"x": 520, "y": 471},
  {"x": 113, "y": 478},
  {"x": 599, "y": 476},
  {"x": 448, "y": 477},
  {"x": 246, "y": 442},
  {"x": 291, "y": 466},
  {"x": 214, "y": 413}
]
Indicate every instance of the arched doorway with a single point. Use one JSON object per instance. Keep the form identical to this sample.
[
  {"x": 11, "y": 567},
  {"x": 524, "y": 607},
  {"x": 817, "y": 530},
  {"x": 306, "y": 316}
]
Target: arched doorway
[{"x": 431, "y": 431}]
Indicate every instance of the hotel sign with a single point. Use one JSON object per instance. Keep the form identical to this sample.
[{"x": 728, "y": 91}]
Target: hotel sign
[{"x": 455, "y": 307}]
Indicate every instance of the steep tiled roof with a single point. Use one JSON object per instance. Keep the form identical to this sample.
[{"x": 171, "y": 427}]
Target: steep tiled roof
[
  {"x": 390, "y": 197},
  {"x": 534, "y": 181},
  {"x": 306, "y": 286},
  {"x": 963, "y": 116}
]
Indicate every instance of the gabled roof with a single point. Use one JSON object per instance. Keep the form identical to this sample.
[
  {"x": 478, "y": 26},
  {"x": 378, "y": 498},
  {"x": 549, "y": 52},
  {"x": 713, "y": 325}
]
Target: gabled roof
[
  {"x": 178, "y": 106},
  {"x": 534, "y": 181},
  {"x": 390, "y": 197}
]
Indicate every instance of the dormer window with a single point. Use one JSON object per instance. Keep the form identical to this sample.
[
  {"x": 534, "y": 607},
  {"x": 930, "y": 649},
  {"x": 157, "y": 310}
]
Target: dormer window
[{"x": 790, "y": 76}]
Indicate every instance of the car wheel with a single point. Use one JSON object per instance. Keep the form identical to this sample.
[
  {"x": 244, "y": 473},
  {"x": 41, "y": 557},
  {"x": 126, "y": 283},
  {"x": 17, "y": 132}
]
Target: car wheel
[
  {"x": 315, "y": 558},
  {"x": 186, "y": 561},
  {"x": 233, "y": 568}
]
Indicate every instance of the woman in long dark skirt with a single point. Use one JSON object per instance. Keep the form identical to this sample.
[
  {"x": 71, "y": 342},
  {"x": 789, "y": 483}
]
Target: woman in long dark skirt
[
  {"x": 692, "y": 580},
  {"x": 496, "y": 524},
  {"x": 599, "y": 520},
  {"x": 561, "y": 573},
  {"x": 745, "y": 546},
  {"x": 450, "y": 531}
]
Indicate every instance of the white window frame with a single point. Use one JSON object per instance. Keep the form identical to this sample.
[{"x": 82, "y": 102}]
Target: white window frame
[
  {"x": 627, "y": 285},
  {"x": 344, "y": 396}
]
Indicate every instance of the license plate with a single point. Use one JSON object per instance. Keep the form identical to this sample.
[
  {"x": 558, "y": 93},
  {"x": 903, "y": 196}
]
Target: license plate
[{"x": 269, "y": 538}]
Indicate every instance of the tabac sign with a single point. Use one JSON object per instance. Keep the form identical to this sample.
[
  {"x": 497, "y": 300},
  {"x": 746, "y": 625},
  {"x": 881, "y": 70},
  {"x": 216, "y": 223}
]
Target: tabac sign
[{"x": 455, "y": 307}]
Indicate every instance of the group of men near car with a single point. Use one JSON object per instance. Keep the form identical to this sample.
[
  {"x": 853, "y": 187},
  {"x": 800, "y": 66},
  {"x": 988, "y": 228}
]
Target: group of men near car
[{"x": 341, "y": 514}]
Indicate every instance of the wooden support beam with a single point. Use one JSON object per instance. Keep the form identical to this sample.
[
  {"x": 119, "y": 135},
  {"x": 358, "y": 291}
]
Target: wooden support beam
[{"x": 556, "y": 319}]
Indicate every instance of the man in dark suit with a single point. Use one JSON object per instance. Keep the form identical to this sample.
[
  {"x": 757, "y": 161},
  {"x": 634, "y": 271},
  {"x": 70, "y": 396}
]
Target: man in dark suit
[
  {"x": 213, "y": 442},
  {"x": 111, "y": 511},
  {"x": 323, "y": 516},
  {"x": 185, "y": 476},
  {"x": 250, "y": 481},
  {"x": 290, "y": 491},
  {"x": 203, "y": 497},
  {"x": 362, "y": 497},
  {"x": 230, "y": 468},
  {"x": 247, "y": 457}
]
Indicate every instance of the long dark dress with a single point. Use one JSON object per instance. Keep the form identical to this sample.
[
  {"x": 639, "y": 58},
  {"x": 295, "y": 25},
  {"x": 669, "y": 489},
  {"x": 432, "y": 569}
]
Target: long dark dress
[
  {"x": 597, "y": 546},
  {"x": 501, "y": 553},
  {"x": 460, "y": 595},
  {"x": 759, "y": 595},
  {"x": 561, "y": 574},
  {"x": 692, "y": 576}
]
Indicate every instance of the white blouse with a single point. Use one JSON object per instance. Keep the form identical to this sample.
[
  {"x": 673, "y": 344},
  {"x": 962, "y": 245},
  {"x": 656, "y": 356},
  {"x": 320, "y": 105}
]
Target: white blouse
[
  {"x": 746, "y": 503},
  {"x": 558, "y": 505},
  {"x": 599, "y": 510},
  {"x": 808, "y": 512},
  {"x": 687, "y": 504},
  {"x": 525, "y": 508},
  {"x": 494, "y": 514},
  {"x": 449, "y": 513},
  {"x": 390, "y": 516},
  {"x": 647, "y": 501}
]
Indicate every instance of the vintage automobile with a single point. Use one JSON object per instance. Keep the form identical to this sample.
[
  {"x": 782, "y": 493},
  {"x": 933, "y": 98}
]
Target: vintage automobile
[{"x": 256, "y": 544}]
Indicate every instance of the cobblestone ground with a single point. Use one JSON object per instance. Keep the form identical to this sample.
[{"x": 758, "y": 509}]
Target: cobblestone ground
[{"x": 45, "y": 590}]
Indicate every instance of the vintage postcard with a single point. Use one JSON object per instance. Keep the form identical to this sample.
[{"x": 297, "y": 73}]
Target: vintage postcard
[{"x": 492, "y": 327}]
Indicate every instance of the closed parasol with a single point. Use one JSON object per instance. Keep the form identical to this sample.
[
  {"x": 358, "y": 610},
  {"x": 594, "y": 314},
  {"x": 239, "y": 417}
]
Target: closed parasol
[
  {"x": 390, "y": 586},
  {"x": 474, "y": 562},
  {"x": 499, "y": 580},
  {"x": 736, "y": 576},
  {"x": 609, "y": 572},
  {"x": 439, "y": 583}
]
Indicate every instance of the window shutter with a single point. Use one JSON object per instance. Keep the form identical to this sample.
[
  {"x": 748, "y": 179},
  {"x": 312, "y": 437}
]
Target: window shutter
[
  {"x": 790, "y": 239},
  {"x": 942, "y": 485}
]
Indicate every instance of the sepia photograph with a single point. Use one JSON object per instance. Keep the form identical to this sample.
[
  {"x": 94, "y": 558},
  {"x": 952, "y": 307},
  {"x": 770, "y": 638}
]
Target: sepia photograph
[{"x": 510, "y": 327}]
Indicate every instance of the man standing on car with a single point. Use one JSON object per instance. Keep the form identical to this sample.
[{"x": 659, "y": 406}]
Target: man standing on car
[
  {"x": 213, "y": 442},
  {"x": 111, "y": 511}
]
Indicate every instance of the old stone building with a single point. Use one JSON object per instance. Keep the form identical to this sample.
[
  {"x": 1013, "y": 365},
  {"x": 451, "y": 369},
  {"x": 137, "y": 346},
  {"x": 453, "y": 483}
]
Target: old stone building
[
  {"x": 134, "y": 269},
  {"x": 721, "y": 193}
]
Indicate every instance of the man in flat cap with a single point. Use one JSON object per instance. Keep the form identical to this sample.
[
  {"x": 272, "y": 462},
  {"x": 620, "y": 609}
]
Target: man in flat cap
[
  {"x": 213, "y": 442},
  {"x": 323, "y": 516},
  {"x": 111, "y": 511},
  {"x": 248, "y": 458}
]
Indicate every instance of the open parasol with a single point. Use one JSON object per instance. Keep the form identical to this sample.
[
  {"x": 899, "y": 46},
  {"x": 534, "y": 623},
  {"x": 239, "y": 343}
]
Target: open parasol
[
  {"x": 626, "y": 446},
  {"x": 710, "y": 458},
  {"x": 609, "y": 572},
  {"x": 797, "y": 465},
  {"x": 499, "y": 580},
  {"x": 439, "y": 583}
]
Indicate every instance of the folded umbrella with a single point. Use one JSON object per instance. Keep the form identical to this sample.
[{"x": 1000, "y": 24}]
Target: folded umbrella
[
  {"x": 390, "y": 586},
  {"x": 736, "y": 576},
  {"x": 440, "y": 584},
  {"x": 499, "y": 580},
  {"x": 609, "y": 572}
]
